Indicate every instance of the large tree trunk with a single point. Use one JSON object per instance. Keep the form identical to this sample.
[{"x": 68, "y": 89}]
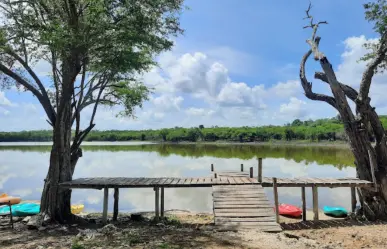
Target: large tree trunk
[
  {"x": 55, "y": 201},
  {"x": 370, "y": 161}
]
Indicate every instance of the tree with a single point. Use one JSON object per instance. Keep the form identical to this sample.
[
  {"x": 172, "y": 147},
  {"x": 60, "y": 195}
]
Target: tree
[
  {"x": 370, "y": 161},
  {"x": 296, "y": 122},
  {"x": 96, "y": 50}
]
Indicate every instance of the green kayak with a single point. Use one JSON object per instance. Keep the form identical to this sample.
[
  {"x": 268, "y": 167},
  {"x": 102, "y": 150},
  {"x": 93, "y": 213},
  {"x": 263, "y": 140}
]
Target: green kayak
[
  {"x": 335, "y": 211},
  {"x": 21, "y": 210}
]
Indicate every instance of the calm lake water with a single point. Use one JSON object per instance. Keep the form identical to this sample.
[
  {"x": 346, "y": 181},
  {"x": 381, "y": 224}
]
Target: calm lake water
[{"x": 23, "y": 166}]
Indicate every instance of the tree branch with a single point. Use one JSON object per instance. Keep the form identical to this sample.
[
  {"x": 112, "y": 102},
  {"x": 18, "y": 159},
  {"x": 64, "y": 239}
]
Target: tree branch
[
  {"x": 43, "y": 91},
  {"x": 349, "y": 91},
  {"x": 308, "y": 86},
  {"x": 312, "y": 25},
  {"x": 43, "y": 101}
]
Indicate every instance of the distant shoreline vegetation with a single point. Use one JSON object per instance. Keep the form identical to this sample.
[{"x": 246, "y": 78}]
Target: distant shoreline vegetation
[{"x": 330, "y": 129}]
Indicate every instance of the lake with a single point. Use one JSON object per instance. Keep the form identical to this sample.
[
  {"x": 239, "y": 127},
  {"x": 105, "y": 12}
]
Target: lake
[{"x": 23, "y": 166}]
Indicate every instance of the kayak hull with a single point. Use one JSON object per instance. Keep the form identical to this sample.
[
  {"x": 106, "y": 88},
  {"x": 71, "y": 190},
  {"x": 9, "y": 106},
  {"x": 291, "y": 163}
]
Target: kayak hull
[
  {"x": 337, "y": 212},
  {"x": 20, "y": 210},
  {"x": 13, "y": 200},
  {"x": 76, "y": 209},
  {"x": 29, "y": 209},
  {"x": 289, "y": 210},
  {"x": 26, "y": 209}
]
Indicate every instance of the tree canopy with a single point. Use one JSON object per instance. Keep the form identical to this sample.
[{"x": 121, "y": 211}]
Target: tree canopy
[{"x": 312, "y": 130}]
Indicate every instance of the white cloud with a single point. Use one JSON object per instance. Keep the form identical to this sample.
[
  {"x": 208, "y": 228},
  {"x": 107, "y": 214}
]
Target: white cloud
[
  {"x": 166, "y": 103},
  {"x": 237, "y": 62},
  {"x": 4, "y": 111},
  {"x": 240, "y": 94},
  {"x": 192, "y": 111},
  {"x": 287, "y": 89},
  {"x": 3, "y": 100},
  {"x": 296, "y": 108}
]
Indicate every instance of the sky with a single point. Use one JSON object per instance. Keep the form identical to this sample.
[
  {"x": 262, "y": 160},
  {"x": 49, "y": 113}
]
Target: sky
[{"x": 237, "y": 64}]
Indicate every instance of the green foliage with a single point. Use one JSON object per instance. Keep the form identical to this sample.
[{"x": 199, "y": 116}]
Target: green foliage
[
  {"x": 376, "y": 13},
  {"x": 97, "y": 49},
  {"x": 318, "y": 130}
]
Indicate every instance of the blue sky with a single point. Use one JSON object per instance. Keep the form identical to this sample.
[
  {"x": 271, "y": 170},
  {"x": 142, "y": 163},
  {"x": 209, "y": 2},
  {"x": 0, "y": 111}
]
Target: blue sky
[{"x": 236, "y": 64}]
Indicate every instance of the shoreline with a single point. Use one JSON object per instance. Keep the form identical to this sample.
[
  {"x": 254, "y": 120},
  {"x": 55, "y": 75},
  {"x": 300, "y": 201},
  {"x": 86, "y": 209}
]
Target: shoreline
[
  {"x": 297, "y": 143},
  {"x": 184, "y": 229}
]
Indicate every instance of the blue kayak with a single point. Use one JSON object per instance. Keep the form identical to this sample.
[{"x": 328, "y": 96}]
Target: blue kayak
[
  {"x": 21, "y": 210},
  {"x": 335, "y": 211}
]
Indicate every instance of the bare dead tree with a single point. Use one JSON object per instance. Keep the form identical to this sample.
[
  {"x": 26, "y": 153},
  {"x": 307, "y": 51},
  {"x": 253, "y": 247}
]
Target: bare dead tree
[{"x": 370, "y": 160}]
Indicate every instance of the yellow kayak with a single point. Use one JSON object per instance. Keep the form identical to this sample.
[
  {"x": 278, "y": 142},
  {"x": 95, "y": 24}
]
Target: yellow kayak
[{"x": 76, "y": 209}]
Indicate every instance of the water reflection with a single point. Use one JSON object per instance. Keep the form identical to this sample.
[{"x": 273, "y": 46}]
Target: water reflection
[{"x": 23, "y": 168}]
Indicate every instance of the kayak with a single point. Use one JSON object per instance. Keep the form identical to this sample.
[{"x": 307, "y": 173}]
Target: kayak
[
  {"x": 289, "y": 210},
  {"x": 335, "y": 211},
  {"x": 7, "y": 199},
  {"x": 76, "y": 209},
  {"x": 26, "y": 209},
  {"x": 22, "y": 209}
]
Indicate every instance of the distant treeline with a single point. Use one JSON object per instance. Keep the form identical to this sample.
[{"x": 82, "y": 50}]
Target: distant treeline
[{"x": 318, "y": 130}]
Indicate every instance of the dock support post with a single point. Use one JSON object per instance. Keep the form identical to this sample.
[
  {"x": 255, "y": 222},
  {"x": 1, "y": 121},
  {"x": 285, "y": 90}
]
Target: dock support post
[
  {"x": 353, "y": 199},
  {"x": 315, "y": 202},
  {"x": 105, "y": 205},
  {"x": 303, "y": 203},
  {"x": 116, "y": 198},
  {"x": 157, "y": 202},
  {"x": 212, "y": 167},
  {"x": 251, "y": 172},
  {"x": 259, "y": 169},
  {"x": 162, "y": 202},
  {"x": 242, "y": 167},
  {"x": 275, "y": 191}
]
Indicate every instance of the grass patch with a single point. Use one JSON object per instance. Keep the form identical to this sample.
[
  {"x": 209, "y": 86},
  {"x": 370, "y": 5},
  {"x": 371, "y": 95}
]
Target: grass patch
[
  {"x": 76, "y": 245},
  {"x": 168, "y": 246}
]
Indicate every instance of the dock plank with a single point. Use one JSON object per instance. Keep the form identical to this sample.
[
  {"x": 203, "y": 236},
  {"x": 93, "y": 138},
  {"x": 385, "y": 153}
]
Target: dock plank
[{"x": 229, "y": 182}]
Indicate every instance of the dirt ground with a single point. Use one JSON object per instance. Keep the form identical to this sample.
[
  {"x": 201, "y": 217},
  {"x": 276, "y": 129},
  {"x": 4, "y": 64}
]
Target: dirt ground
[{"x": 189, "y": 230}]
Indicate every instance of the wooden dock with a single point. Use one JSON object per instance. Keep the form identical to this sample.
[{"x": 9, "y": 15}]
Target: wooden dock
[
  {"x": 243, "y": 207},
  {"x": 239, "y": 201}
]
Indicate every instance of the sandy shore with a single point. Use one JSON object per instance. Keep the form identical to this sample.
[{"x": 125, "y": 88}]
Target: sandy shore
[{"x": 194, "y": 230}]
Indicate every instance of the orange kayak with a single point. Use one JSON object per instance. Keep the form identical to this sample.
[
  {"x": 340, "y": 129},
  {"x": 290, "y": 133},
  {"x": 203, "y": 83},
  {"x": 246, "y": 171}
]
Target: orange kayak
[{"x": 13, "y": 200}]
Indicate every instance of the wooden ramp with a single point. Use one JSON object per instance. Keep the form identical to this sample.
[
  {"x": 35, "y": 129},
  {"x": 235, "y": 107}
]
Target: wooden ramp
[{"x": 242, "y": 207}]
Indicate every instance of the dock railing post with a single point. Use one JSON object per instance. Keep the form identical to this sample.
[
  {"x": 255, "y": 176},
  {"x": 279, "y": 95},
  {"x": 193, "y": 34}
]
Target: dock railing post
[
  {"x": 242, "y": 167},
  {"x": 251, "y": 172},
  {"x": 105, "y": 205},
  {"x": 157, "y": 202},
  {"x": 275, "y": 192},
  {"x": 212, "y": 167},
  {"x": 260, "y": 169},
  {"x": 315, "y": 202},
  {"x": 162, "y": 202},
  {"x": 115, "y": 208},
  {"x": 353, "y": 199},
  {"x": 303, "y": 203}
]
